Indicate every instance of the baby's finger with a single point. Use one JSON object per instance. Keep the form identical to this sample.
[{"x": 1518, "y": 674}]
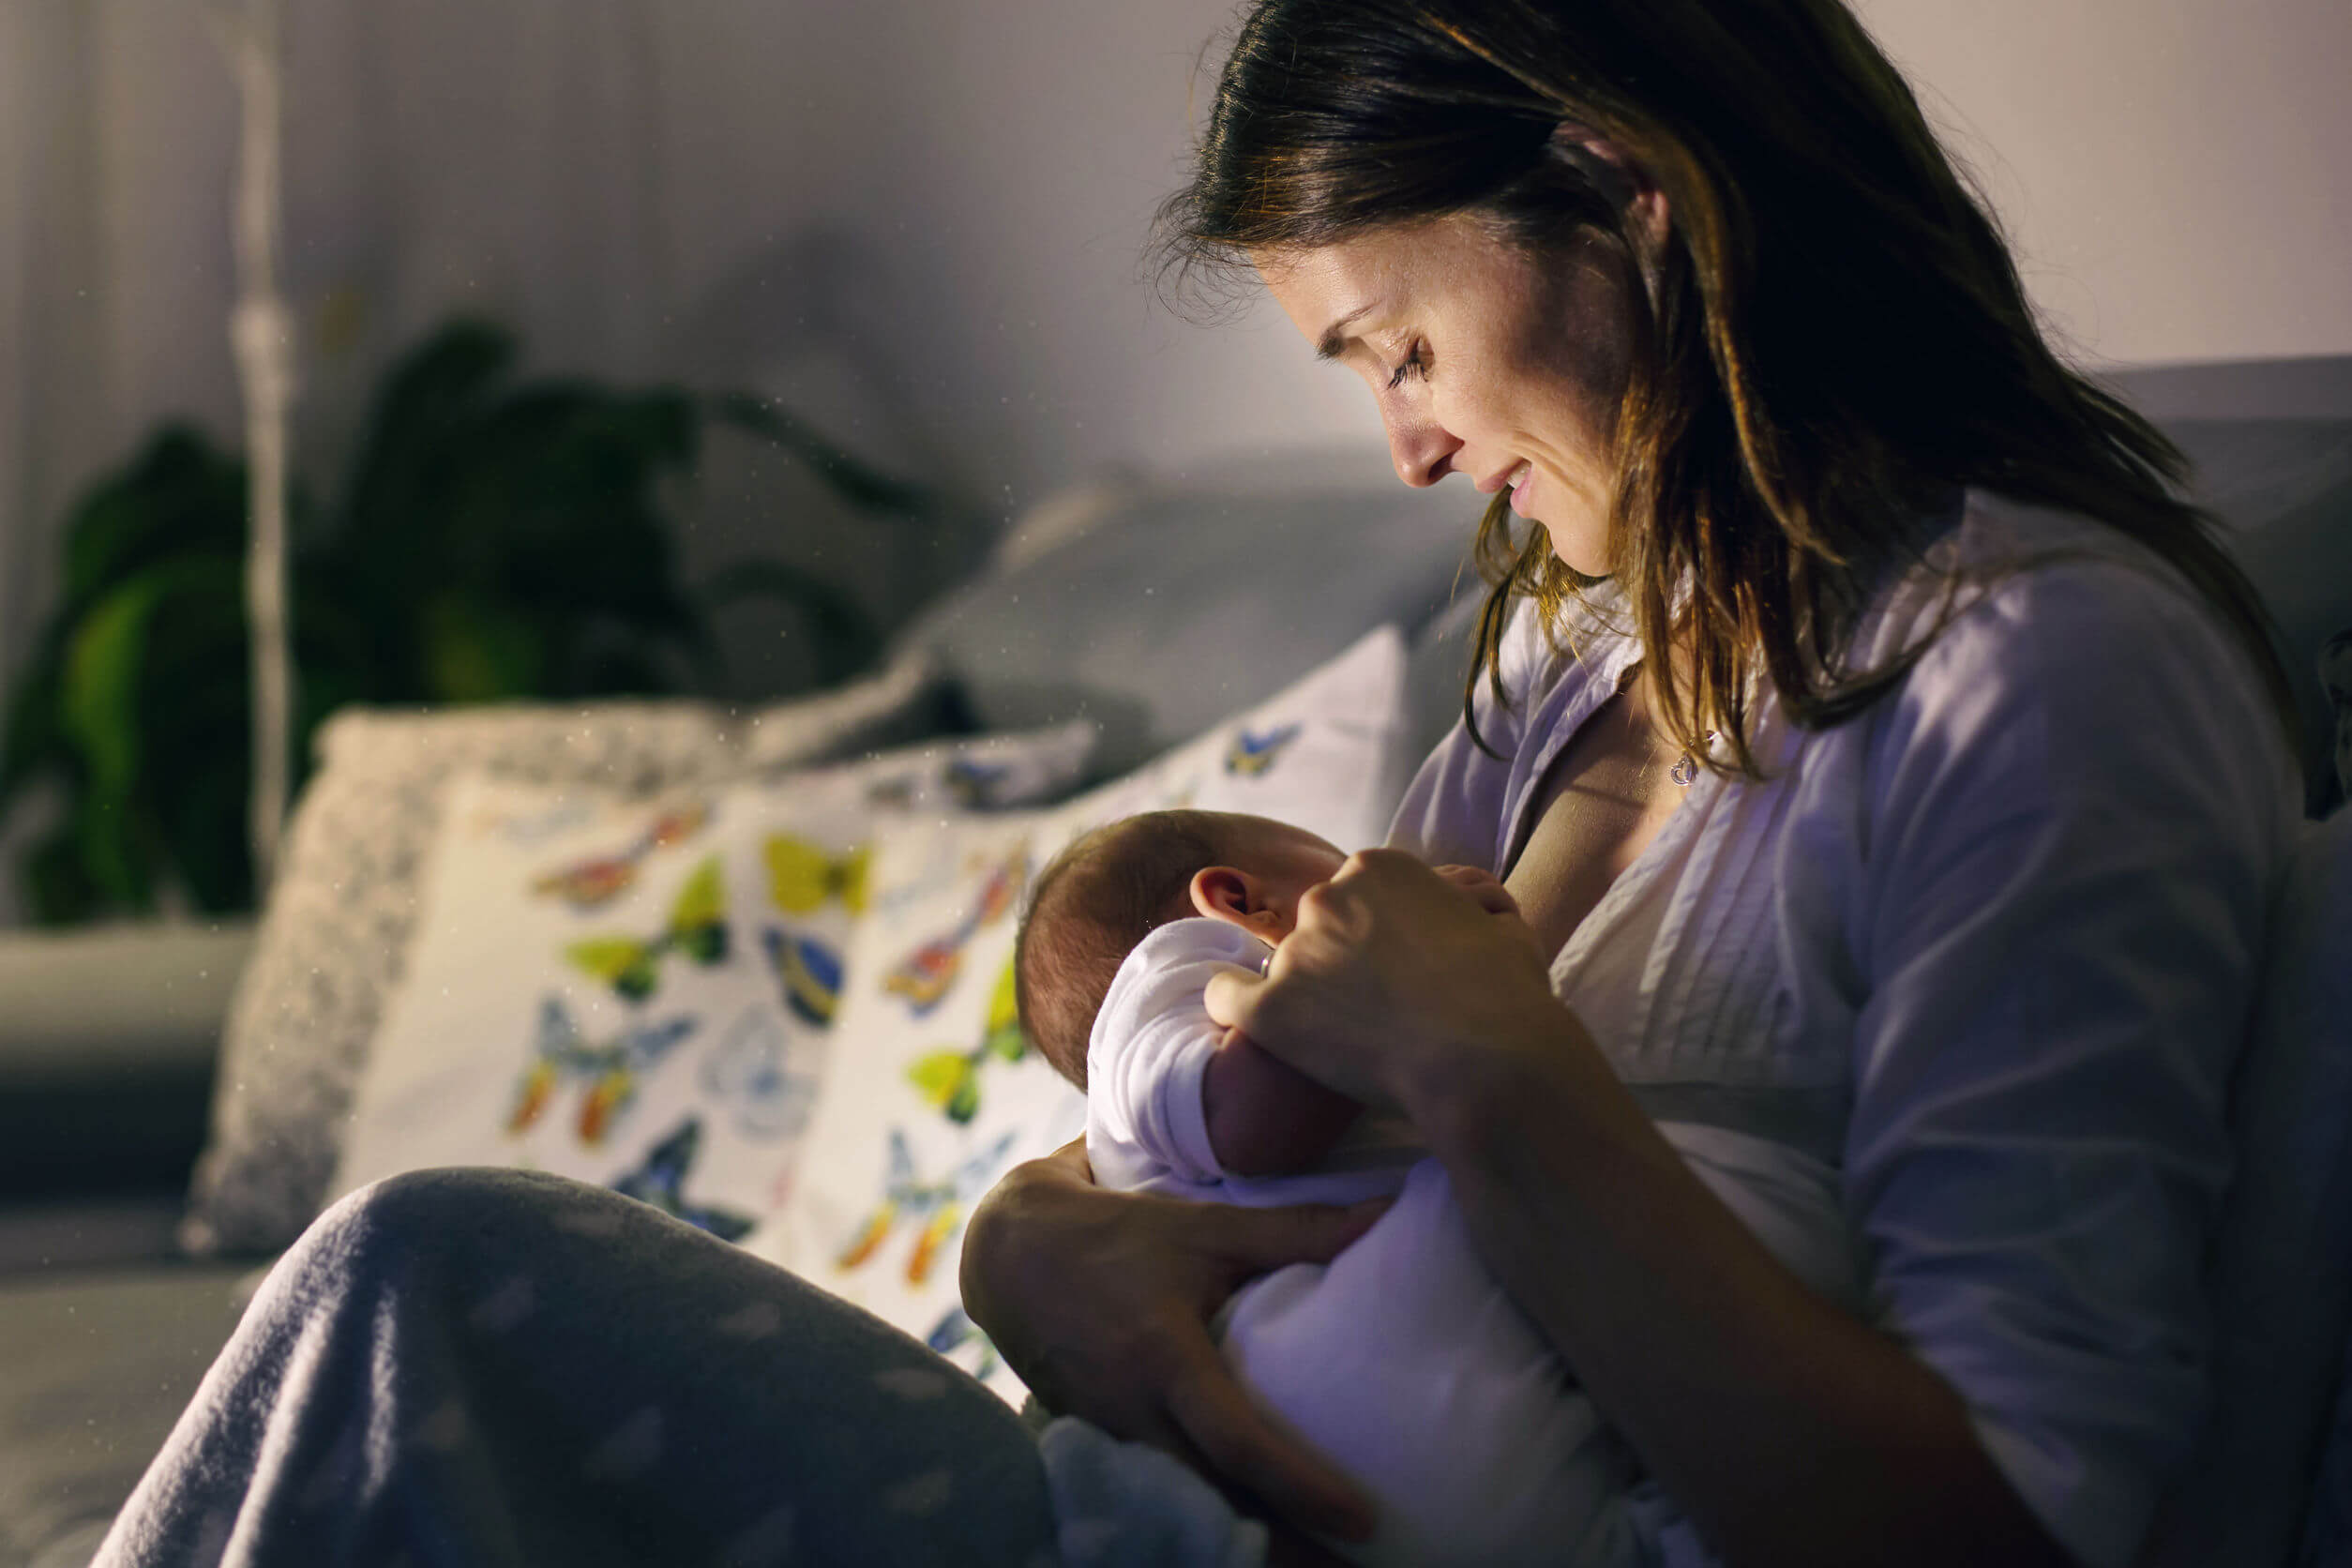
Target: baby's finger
[
  {"x": 1233, "y": 998},
  {"x": 1494, "y": 898},
  {"x": 1482, "y": 885},
  {"x": 1218, "y": 1417}
]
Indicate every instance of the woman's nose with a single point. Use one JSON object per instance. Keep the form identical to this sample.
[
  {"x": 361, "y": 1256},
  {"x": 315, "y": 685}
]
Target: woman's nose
[{"x": 1422, "y": 448}]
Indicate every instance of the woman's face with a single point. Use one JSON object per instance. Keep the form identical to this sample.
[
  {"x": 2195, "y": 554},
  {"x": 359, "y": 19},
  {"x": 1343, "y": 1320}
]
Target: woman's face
[{"x": 1482, "y": 359}]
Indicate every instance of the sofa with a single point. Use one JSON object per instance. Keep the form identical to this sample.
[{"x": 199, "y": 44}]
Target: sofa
[{"x": 1136, "y": 613}]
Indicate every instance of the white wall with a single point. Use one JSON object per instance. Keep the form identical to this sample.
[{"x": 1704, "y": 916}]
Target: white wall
[{"x": 2176, "y": 173}]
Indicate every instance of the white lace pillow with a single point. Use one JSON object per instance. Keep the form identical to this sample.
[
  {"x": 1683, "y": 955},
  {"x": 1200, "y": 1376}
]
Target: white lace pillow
[
  {"x": 933, "y": 1092},
  {"x": 334, "y": 936}
]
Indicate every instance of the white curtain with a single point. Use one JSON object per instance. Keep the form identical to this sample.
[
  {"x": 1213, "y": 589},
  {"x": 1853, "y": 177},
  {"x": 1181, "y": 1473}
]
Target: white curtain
[{"x": 441, "y": 154}]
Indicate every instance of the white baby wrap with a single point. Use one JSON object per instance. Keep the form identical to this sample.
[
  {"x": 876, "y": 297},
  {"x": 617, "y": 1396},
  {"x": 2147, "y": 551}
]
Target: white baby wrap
[{"x": 1402, "y": 1360}]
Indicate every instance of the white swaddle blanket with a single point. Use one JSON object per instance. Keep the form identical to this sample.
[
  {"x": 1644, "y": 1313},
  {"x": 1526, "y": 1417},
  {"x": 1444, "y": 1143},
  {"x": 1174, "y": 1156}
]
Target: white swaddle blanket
[{"x": 1402, "y": 1360}]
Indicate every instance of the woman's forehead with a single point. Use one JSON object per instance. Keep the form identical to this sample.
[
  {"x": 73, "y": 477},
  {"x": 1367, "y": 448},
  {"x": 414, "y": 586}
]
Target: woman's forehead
[{"x": 1326, "y": 289}]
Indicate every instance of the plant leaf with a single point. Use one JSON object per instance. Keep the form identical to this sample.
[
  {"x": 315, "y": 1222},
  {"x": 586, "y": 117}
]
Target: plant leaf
[
  {"x": 863, "y": 487},
  {"x": 104, "y": 672},
  {"x": 58, "y": 885},
  {"x": 396, "y": 525},
  {"x": 180, "y": 496},
  {"x": 473, "y": 654},
  {"x": 34, "y": 738}
]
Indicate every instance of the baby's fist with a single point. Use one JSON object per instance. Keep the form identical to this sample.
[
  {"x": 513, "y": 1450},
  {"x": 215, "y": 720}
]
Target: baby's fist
[{"x": 1483, "y": 885}]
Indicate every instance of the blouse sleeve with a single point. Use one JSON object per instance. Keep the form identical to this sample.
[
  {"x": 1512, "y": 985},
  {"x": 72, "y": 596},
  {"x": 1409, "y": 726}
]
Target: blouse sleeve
[
  {"x": 2077, "y": 813},
  {"x": 1456, "y": 810}
]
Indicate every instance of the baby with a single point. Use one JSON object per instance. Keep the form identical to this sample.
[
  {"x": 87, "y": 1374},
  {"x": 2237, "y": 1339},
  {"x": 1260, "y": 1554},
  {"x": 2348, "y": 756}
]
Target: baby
[{"x": 1402, "y": 1360}]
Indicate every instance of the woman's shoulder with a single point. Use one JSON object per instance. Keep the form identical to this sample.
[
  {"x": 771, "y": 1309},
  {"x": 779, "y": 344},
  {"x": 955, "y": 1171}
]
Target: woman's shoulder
[
  {"x": 2057, "y": 656},
  {"x": 2030, "y": 580}
]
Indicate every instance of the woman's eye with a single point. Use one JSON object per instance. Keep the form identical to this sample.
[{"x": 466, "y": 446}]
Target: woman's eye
[{"x": 1417, "y": 361}]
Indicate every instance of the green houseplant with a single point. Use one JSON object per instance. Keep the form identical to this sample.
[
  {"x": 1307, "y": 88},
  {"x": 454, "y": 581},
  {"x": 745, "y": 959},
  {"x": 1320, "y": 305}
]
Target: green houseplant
[{"x": 495, "y": 537}]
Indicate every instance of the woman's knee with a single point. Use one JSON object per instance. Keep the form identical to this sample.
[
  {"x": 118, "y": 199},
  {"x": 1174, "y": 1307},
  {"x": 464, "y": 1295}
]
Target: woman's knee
[{"x": 419, "y": 1214}]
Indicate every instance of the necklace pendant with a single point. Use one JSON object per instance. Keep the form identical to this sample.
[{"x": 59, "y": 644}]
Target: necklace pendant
[{"x": 1685, "y": 769}]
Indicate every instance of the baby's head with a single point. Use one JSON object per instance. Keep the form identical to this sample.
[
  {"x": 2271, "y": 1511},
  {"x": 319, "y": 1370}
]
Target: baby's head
[{"x": 1107, "y": 891}]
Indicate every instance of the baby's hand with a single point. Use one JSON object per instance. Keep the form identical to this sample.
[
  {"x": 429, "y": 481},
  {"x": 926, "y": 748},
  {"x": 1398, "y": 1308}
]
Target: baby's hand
[{"x": 1483, "y": 885}]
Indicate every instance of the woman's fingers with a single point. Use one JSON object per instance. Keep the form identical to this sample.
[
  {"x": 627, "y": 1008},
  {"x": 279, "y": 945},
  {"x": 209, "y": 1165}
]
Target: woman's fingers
[
  {"x": 1237, "y": 1441},
  {"x": 1218, "y": 1418},
  {"x": 1257, "y": 1240},
  {"x": 1101, "y": 1302}
]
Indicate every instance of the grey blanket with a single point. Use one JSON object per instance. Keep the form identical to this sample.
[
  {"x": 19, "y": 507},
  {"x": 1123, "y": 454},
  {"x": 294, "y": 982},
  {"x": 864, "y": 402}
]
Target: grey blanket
[{"x": 491, "y": 1368}]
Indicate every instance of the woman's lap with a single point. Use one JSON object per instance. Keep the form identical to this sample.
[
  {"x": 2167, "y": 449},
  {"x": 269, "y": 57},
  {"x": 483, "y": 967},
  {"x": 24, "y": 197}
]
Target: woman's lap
[{"x": 493, "y": 1368}]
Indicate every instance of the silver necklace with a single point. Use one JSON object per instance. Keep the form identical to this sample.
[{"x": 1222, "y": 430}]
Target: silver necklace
[{"x": 1685, "y": 769}]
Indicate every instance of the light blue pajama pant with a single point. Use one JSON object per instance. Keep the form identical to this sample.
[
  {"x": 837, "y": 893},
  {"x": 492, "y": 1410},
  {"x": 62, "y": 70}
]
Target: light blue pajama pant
[{"x": 484, "y": 1368}]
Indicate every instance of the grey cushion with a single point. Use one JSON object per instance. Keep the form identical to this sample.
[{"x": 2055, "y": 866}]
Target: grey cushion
[
  {"x": 94, "y": 1370},
  {"x": 2282, "y": 1261},
  {"x": 2285, "y": 489},
  {"x": 1179, "y": 609}
]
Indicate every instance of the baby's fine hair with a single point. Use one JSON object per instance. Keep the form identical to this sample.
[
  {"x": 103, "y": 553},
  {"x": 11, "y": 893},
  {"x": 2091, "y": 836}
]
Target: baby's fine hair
[{"x": 1087, "y": 911}]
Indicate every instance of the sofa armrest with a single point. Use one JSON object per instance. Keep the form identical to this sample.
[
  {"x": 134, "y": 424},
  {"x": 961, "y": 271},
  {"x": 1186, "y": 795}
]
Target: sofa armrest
[{"x": 106, "y": 1043}]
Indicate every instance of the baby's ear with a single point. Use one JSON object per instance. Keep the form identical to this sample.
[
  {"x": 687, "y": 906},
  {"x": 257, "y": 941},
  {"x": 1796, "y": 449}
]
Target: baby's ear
[{"x": 1221, "y": 893}]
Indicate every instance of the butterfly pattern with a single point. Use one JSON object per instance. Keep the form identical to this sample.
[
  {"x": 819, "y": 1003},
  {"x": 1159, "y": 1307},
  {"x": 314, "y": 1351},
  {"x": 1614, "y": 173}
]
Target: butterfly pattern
[
  {"x": 923, "y": 975},
  {"x": 808, "y": 973},
  {"x": 598, "y": 881},
  {"x": 610, "y": 1069},
  {"x": 954, "y": 1332},
  {"x": 802, "y": 877},
  {"x": 975, "y": 784},
  {"x": 751, "y": 1071},
  {"x": 1252, "y": 756},
  {"x": 949, "y": 1081},
  {"x": 535, "y": 826},
  {"x": 897, "y": 792},
  {"x": 661, "y": 1182},
  {"x": 939, "y": 1204},
  {"x": 697, "y": 929}
]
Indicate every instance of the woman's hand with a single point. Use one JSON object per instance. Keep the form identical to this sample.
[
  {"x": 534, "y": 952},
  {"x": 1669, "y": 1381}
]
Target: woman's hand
[
  {"x": 1100, "y": 1302},
  {"x": 1394, "y": 971}
]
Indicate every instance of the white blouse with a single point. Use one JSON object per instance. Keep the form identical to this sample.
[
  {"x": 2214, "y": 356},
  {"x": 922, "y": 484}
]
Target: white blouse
[{"x": 1988, "y": 950}]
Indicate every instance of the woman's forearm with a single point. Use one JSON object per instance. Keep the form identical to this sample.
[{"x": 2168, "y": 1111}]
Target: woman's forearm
[{"x": 1790, "y": 1431}]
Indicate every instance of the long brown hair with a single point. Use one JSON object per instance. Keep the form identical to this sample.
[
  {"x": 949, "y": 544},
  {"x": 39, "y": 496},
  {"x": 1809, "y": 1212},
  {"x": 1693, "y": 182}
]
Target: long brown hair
[{"x": 1832, "y": 340}]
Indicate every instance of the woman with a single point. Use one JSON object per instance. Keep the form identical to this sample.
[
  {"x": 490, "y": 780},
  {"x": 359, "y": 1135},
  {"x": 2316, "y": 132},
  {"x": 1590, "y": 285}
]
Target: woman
[
  {"x": 1912, "y": 765},
  {"x": 1971, "y": 910}
]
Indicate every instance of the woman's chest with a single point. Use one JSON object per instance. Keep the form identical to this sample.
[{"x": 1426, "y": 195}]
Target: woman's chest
[
  {"x": 1664, "y": 908},
  {"x": 1594, "y": 811}
]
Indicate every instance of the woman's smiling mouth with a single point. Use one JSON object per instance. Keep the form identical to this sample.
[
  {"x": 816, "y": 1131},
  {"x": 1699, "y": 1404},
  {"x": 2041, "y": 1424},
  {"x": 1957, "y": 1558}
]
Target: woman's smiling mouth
[{"x": 1522, "y": 479}]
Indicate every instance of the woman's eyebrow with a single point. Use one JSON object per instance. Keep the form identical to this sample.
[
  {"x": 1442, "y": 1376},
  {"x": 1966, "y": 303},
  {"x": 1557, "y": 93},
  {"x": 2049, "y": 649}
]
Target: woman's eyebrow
[{"x": 1333, "y": 343}]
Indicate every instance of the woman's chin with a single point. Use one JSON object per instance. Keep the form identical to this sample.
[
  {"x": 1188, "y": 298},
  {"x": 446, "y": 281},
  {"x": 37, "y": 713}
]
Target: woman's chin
[
  {"x": 1581, "y": 545},
  {"x": 1584, "y": 561}
]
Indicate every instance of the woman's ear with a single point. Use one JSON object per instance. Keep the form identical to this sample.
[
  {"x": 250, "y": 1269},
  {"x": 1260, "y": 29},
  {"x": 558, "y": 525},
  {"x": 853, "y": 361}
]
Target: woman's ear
[
  {"x": 1223, "y": 893},
  {"x": 1623, "y": 183}
]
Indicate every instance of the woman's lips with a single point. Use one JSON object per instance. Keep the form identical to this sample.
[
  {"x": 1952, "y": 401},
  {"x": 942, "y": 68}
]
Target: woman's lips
[{"x": 1521, "y": 482}]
